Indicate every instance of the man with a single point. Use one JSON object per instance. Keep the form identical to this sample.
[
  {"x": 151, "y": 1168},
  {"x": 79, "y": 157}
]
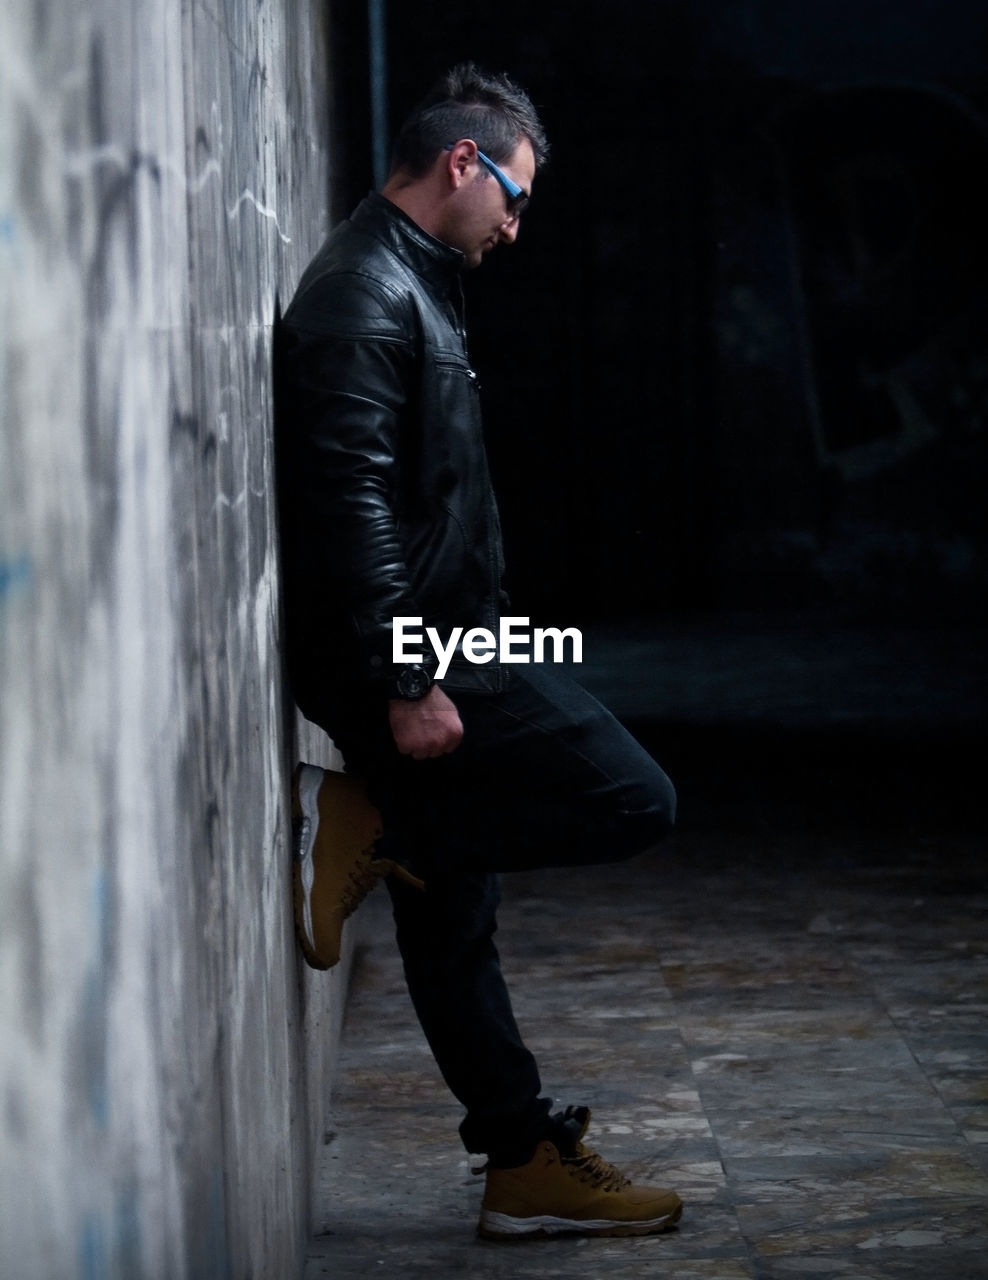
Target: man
[{"x": 388, "y": 513}]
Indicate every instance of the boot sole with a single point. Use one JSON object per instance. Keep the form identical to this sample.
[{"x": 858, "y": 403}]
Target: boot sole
[
  {"x": 305, "y": 797},
  {"x": 500, "y": 1226}
]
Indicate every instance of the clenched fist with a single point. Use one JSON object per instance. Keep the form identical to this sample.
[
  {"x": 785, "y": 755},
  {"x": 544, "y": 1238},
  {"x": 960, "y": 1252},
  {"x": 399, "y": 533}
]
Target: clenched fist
[{"x": 428, "y": 728}]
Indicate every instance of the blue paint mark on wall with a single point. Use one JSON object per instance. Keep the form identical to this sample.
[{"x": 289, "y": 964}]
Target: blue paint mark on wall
[
  {"x": 10, "y": 246},
  {"x": 92, "y": 1249},
  {"x": 14, "y": 573}
]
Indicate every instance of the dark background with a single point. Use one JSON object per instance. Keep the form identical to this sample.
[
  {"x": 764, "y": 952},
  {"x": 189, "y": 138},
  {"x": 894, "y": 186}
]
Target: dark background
[{"x": 735, "y": 369}]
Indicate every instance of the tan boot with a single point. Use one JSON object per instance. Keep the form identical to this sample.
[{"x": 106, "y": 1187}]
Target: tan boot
[
  {"x": 335, "y": 828},
  {"x": 572, "y": 1191}
]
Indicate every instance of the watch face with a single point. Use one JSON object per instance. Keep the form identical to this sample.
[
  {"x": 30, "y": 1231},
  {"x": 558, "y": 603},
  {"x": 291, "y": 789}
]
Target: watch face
[{"x": 414, "y": 682}]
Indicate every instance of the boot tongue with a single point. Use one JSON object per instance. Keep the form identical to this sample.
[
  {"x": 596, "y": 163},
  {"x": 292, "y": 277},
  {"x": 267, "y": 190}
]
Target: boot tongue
[{"x": 568, "y": 1128}]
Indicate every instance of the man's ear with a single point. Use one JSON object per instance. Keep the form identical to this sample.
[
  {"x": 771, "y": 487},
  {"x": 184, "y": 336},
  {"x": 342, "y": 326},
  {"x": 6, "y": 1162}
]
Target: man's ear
[{"x": 459, "y": 158}]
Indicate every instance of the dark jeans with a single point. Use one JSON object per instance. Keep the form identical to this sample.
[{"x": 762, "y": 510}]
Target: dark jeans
[{"x": 544, "y": 777}]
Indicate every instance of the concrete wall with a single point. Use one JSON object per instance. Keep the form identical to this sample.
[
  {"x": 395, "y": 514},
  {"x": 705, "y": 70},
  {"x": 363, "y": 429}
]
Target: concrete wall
[{"x": 163, "y": 173}]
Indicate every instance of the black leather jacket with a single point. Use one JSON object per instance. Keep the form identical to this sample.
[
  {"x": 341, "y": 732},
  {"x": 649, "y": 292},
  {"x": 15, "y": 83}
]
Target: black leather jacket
[{"x": 386, "y": 503}]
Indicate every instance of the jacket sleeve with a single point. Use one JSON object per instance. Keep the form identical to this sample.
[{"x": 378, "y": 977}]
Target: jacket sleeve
[{"x": 347, "y": 375}]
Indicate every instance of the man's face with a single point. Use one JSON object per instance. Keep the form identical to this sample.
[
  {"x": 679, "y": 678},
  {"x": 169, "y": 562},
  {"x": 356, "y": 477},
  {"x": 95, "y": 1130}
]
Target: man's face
[{"x": 480, "y": 218}]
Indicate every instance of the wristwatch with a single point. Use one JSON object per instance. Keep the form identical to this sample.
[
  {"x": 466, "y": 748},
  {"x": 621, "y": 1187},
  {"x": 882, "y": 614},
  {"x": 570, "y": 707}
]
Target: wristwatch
[{"x": 412, "y": 683}]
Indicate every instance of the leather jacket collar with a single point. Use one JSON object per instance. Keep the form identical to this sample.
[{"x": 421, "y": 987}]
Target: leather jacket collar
[{"x": 437, "y": 263}]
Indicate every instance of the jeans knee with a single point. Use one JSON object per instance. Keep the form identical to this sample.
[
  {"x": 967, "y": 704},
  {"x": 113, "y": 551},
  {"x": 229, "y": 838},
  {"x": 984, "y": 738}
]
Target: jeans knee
[
  {"x": 665, "y": 805},
  {"x": 653, "y": 818}
]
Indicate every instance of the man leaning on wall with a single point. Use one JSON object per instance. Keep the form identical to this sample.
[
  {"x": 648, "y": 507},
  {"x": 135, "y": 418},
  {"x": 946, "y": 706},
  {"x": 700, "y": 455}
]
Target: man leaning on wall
[{"x": 388, "y": 514}]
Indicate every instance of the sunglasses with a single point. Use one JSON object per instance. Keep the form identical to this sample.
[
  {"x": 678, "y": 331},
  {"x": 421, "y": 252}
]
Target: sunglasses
[{"x": 517, "y": 198}]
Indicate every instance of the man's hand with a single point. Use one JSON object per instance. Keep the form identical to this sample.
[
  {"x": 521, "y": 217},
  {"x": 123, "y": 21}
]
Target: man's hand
[{"x": 430, "y": 727}]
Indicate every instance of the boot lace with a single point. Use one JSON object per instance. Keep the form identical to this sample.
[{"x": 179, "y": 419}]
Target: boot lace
[
  {"x": 594, "y": 1170},
  {"x": 364, "y": 875}
]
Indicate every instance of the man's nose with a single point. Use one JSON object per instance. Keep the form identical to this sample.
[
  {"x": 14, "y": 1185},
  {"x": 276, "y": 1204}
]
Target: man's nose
[{"x": 508, "y": 231}]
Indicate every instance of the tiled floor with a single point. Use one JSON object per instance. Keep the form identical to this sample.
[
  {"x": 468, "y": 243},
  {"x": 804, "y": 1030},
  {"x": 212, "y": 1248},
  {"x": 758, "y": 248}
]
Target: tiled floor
[{"x": 783, "y": 1014}]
